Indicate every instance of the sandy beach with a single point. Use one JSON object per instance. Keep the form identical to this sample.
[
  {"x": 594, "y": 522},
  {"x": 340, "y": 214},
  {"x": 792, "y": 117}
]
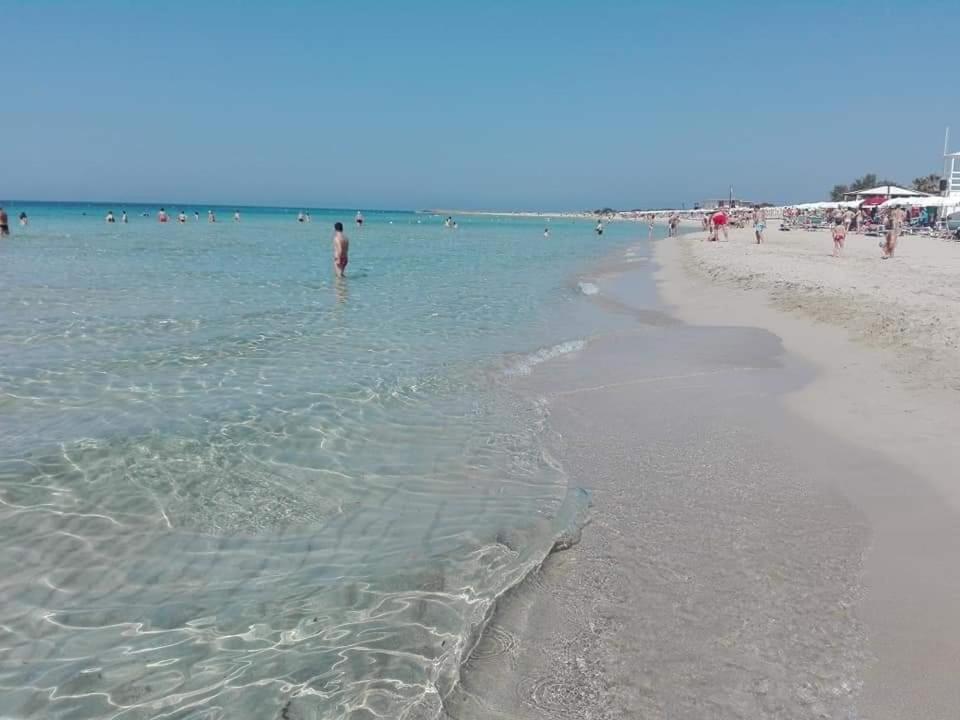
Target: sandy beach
[
  {"x": 774, "y": 505},
  {"x": 883, "y": 336}
]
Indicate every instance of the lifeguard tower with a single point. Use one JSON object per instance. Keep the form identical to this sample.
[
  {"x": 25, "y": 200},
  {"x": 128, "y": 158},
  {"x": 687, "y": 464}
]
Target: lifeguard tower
[{"x": 950, "y": 184}]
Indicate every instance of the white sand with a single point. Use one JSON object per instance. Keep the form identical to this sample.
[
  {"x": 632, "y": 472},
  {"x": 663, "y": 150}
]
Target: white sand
[
  {"x": 884, "y": 335},
  {"x": 910, "y": 304}
]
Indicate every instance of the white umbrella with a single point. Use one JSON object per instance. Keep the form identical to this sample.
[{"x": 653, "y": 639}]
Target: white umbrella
[
  {"x": 897, "y": 202},
  {"x": 937, "y": 201}
]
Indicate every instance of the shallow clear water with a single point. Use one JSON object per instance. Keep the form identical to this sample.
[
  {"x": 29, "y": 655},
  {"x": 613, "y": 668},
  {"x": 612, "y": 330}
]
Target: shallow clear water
[{"x": 233, "y": 487}]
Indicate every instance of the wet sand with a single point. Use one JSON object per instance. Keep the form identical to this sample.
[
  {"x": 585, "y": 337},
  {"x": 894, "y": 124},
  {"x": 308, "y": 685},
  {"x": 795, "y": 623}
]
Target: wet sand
[
  {"x": 747, "y": 556},
  {"x": 888, "y": 392}
]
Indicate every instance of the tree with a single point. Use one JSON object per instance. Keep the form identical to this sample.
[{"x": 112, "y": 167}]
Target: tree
[
  {"x": 862, "y": 183},
  {"x": 838, "y": 192},
  {"x": 929, "y": 184},
  {"x": 869, "y": 180}
]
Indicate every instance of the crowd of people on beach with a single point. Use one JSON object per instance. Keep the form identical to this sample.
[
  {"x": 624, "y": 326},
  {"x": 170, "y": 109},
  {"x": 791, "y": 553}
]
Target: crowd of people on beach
[{"x": 841, "y": 221}]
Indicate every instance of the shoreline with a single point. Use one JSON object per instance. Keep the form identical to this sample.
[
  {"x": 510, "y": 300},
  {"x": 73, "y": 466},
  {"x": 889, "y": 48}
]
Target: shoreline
[
  {"x": 815, "y": 524},
  {"x": 880, "y": 365}
]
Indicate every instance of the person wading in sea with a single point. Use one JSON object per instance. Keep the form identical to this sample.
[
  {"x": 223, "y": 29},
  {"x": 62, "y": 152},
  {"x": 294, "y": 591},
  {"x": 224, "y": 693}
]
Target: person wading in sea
[{"x": 341, "y": 248}]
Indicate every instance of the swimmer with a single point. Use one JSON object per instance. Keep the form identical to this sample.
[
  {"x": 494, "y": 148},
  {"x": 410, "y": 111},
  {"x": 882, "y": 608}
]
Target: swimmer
[
  {"x": 341, "y": 248},
  {"x": 196, "y": 215},
  {"x": 4, "y": 223},
  {"x": 23, "y": 219},
  {"x": 123, "y": 216},
  {"x": 236, "y": 216},
  {"x": 300, "y": 216},
  {"x": 182, "y": 218},
  {"x": 359, "y": 219},
  {"x": 546, "y": 232},
  {"x": 599, "y": 228},
  {"x": 162, "y": 215},
  {"x": 110, "y": 218}
]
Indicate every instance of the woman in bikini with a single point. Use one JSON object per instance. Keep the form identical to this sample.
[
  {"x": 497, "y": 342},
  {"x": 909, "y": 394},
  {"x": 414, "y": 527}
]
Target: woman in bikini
[{"x": 839, "y": 236}]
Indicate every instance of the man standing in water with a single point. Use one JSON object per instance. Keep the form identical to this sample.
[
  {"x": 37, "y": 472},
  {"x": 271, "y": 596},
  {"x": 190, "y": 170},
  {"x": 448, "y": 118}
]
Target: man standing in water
[{"x": 341, "y": 247}]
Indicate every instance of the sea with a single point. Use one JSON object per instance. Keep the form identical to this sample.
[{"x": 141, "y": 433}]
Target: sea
[{"x": 233, "y": 486}]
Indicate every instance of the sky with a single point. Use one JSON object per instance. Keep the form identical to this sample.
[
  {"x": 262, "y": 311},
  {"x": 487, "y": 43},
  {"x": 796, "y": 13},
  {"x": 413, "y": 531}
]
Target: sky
[{"x": 492, "y": 104}]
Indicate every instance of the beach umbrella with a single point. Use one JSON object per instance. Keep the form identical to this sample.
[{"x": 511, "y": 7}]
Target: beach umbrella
[
  {"x": 938, "y": 201},
  {"x": 895, "y": 202}
]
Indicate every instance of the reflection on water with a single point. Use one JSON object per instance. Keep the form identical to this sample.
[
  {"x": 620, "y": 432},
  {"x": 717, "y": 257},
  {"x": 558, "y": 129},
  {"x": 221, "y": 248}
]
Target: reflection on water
[
  {"x": 227, "y": 492},
  {"x": 342, "y": 290}
]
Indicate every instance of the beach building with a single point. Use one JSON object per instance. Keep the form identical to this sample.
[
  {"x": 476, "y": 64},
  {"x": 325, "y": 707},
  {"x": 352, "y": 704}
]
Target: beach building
[
  {"x": 881, "y": 194},
  {"x": 724, "y": 203}
]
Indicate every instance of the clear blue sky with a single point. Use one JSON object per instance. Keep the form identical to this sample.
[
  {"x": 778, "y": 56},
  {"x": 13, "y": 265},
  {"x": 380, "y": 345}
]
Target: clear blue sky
[{"x": 493, "y": 103}]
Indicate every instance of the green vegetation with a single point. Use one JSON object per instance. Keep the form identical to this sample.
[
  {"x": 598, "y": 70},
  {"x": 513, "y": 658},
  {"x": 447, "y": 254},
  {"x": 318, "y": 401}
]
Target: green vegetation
[{"x": 928, "y": 184}]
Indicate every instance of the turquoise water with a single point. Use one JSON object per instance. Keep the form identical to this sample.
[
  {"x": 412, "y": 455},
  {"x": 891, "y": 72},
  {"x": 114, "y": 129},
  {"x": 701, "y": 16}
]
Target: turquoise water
[{"x": 234, "y": 487}]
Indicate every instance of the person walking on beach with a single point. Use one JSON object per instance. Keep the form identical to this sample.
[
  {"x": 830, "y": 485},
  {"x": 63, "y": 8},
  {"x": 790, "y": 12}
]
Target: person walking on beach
[
  {"x": 4, "y": 223},
  {"x": 891, "y": 226},
  {"x": 162, "y": 215},
  {"x": 341, "y": 248},
  {"x": 839, "y": 236},
  {"x": 759, "y": 223}
]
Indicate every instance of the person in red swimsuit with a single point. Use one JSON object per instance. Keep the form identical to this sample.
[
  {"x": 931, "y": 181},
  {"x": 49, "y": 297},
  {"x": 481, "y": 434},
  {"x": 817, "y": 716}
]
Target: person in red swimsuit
[{"x": 719, "y": 220}]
